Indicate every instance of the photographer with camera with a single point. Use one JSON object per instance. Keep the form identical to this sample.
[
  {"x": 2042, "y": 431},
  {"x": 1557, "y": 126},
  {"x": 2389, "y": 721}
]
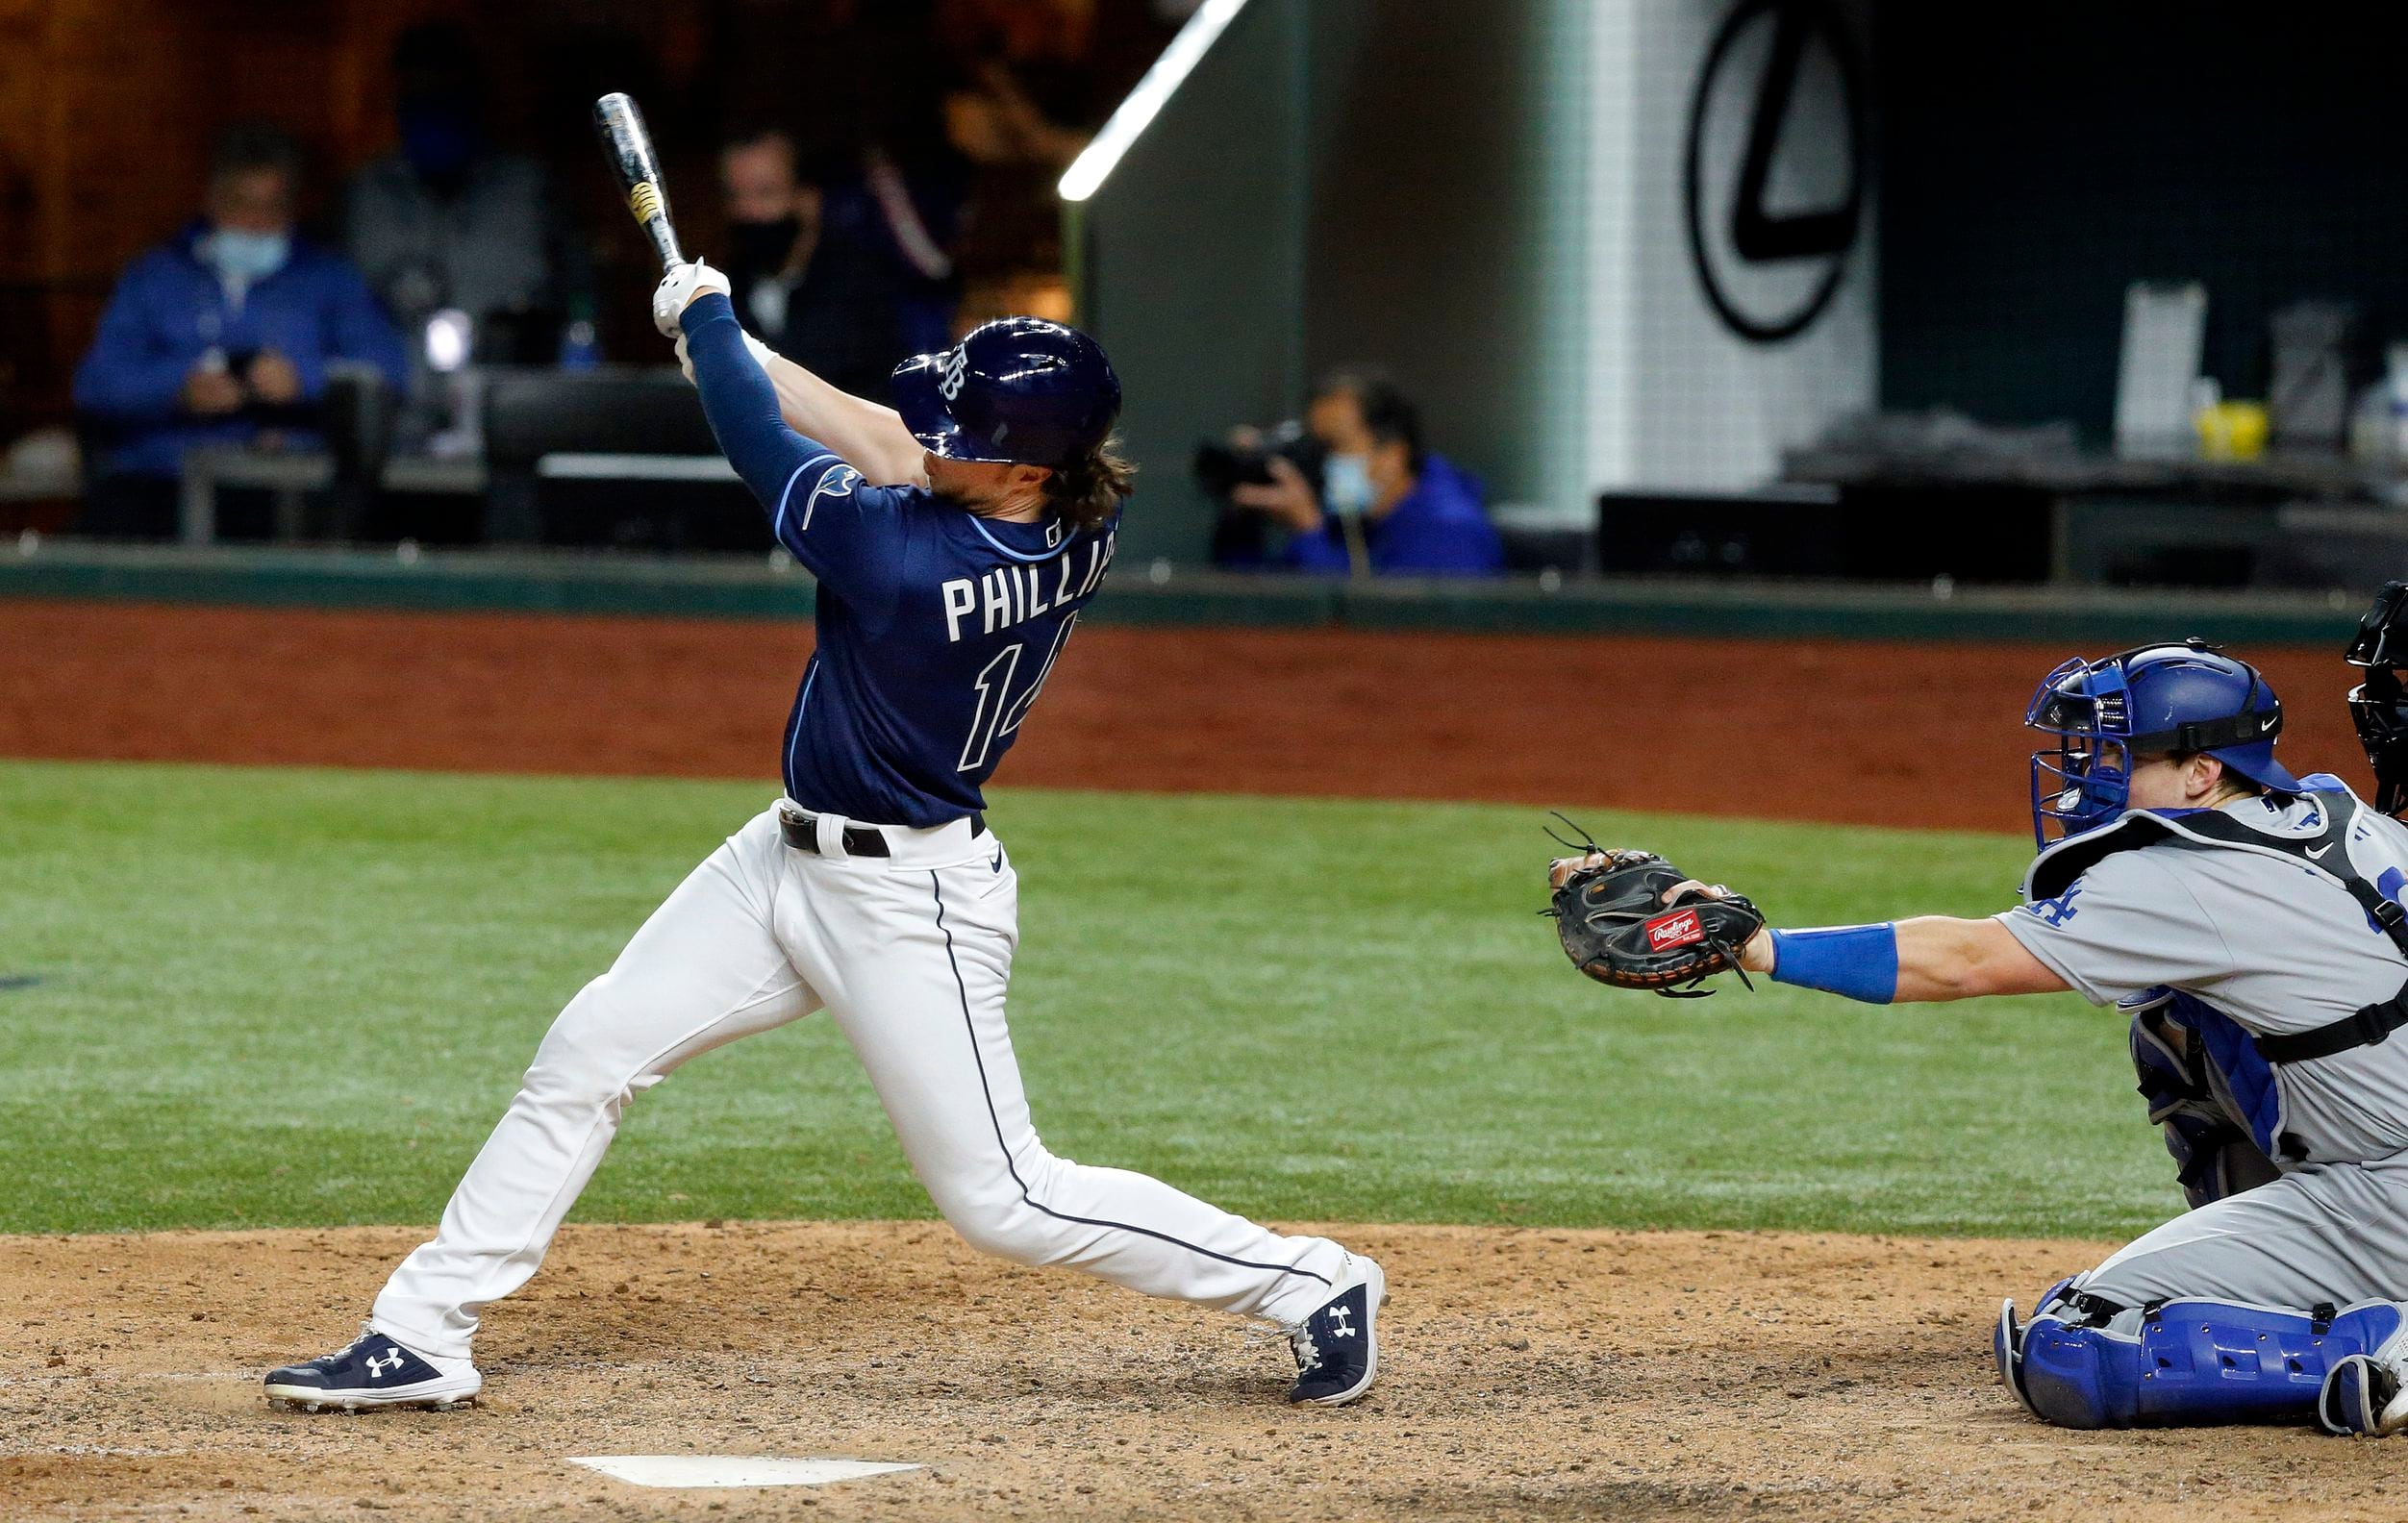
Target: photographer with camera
[{"x": 1352, "y": 489}]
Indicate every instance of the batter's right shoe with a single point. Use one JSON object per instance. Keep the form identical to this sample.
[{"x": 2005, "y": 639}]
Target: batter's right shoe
[
  {"x": 2362, "y": 1395},
  {"x": 1337, "y": 1348},
  {"x": 374, "y": 1371}
]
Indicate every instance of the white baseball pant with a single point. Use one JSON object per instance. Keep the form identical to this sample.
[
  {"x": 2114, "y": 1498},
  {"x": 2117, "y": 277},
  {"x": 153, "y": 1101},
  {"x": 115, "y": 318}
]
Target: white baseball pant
[{"x": 910, "y": 955}]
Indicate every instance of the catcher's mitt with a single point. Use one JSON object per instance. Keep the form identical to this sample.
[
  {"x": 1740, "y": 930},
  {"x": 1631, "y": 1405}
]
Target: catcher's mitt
[{"x": 1616, "y": 927}]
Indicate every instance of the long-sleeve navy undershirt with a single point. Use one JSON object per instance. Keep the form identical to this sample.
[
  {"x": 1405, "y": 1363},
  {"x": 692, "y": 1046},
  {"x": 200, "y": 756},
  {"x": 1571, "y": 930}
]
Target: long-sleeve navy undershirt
[
  {"x": 848, "y": 533},
  {"x": 740, "y": 401}
]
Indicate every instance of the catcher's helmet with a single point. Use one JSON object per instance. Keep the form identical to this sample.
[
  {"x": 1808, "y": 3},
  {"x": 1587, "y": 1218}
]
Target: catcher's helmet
[
  {"x": 2147, "y": 701},
  {"x": 1017, "y": 389},
  {"x": 2378, "y": 706}
]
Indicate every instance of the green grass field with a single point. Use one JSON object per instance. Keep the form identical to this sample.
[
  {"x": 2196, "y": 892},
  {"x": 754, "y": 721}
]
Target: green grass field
[{"x": 274, "y": 997}]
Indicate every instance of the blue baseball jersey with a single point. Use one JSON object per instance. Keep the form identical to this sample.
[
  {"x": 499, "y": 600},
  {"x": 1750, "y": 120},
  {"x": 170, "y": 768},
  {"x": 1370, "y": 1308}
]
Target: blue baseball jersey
[{"x": 937, "y": 629}]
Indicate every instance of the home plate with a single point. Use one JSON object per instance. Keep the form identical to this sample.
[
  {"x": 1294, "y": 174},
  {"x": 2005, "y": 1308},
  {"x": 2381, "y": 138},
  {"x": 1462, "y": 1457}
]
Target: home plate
[{"x": 730, "y": 1470}]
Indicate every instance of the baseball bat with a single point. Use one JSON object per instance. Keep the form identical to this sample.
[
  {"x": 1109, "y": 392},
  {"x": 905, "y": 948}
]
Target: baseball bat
[{"x": 628, "y": 145}]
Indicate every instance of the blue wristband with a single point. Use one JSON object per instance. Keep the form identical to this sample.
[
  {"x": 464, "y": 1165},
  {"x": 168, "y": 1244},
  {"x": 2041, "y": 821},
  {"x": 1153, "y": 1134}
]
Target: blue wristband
[{"x": 1859, "y": 961}]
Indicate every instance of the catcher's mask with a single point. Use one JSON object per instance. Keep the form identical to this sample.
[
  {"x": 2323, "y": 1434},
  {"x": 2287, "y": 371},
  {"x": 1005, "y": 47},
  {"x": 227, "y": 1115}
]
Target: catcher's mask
[
  {"x": 2378, "y": 706},
  {"x": 2148, "y": 701}
]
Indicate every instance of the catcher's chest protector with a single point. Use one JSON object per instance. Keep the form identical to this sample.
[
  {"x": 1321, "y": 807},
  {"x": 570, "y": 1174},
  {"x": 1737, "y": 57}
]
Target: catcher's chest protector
[{"x": 2285, "y": 920}]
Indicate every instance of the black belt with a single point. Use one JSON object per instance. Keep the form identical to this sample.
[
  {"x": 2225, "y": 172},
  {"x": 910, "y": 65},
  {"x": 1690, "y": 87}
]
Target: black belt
[{"x": 802, "y": 833}]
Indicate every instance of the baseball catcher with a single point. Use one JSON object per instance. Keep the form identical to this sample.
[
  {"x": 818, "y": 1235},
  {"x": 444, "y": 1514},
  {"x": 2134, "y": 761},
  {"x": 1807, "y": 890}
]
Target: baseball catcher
[{"x": 2249, "y": 923}]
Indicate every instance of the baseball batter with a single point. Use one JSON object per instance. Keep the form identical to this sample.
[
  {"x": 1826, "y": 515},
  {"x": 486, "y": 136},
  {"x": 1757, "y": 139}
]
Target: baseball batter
[
  {"x": 955, "y": 543},
  {"x": 2249, "y": 923}
]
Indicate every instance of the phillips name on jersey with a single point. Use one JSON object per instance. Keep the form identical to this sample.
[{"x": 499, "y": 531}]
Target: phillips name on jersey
[{"x": 1013, "y": 594}]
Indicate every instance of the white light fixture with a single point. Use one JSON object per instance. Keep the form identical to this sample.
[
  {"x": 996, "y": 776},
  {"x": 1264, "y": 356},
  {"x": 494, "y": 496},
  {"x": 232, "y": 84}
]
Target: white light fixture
[
  {"x": 1086, "y": 172},
  {"x": 450, "y": 335}
]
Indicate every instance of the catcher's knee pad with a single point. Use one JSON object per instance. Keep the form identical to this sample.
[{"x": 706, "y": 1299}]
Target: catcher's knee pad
[{"x": 2084, "y": 1363}]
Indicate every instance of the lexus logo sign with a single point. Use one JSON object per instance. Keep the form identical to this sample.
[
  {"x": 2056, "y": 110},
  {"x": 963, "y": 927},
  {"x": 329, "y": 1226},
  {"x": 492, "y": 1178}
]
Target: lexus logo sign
[{"x": 1773, "y": 181}]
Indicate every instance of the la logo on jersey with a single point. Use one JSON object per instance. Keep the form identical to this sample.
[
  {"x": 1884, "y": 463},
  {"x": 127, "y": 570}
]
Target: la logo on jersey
[
  {"x": 1676, "y": 929},
  {"x": 2056, "y": 911}
]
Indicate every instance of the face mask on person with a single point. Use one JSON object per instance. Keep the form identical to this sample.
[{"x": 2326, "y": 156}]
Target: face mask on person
[
  {"x": 762, "y": 248},
  {"x": 246, "y": 257},
  {"x": 1347, "y": 483}
]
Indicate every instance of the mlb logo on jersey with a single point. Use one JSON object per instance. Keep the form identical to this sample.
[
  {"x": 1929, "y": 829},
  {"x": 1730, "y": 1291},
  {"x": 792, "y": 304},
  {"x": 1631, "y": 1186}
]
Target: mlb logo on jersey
[{"x": 1676, "y": 929}]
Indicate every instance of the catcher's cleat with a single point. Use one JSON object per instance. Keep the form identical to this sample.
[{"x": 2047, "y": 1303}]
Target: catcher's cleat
[
  {"x": 374, "y": 1371},
  {"x": 1337, "y": 1348},
  {"x": 2006, "y": 1346},
  {"x": 2006, "y": 1342},
  {"x": 2362, "y": 1396}
]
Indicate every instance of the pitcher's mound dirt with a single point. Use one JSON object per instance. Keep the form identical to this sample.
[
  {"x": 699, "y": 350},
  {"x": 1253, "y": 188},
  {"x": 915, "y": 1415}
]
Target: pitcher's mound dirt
[{"x": 1525, "y": 1374}]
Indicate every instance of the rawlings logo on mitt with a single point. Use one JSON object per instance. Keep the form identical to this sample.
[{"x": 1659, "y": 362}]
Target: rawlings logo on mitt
[
  {"x": 1616, "y": 927},
  {"x": 1679, "y": 929}
]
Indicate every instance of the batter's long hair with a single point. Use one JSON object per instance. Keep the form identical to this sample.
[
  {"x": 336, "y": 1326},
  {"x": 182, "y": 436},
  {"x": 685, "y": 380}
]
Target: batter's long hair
[{"x": 1089, "y": 491}]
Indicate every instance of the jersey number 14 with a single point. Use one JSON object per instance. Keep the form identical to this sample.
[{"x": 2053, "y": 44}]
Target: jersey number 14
[{"x": 999, "y": 711}]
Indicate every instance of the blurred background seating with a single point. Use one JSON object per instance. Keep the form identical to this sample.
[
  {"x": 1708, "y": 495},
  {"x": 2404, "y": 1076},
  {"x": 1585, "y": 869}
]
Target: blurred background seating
[
  {"x": 619, "y": 457},
  {"x": 2127, "y": 304},
  {"x": 440, "y": 158}
]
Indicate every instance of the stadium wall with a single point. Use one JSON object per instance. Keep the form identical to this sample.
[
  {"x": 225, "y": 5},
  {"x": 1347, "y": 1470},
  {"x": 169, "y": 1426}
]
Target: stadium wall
[{"x": 1142, "y": 594}]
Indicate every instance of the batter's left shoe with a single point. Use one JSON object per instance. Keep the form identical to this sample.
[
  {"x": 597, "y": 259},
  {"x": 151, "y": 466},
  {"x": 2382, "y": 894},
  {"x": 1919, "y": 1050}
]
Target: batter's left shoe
[
  {"x": 2362, "y": 1396},
  {"x": 1337, "y": 1348},
  {"x": 374, "y": 1371}
]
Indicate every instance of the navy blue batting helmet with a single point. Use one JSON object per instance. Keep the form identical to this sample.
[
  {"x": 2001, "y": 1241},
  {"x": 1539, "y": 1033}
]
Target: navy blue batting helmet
[
  {"x": 1017, "y": 389},
  {"x": 2147, "y": 701}
]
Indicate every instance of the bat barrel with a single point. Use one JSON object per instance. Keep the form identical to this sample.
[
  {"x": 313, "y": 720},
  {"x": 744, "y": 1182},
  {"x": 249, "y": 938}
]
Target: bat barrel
[{"x": 627, "y": 145}]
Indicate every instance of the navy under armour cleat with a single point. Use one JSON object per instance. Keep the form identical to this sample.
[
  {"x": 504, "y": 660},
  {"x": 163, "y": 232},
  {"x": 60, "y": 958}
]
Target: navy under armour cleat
[
  {"x": 2362, "y": 1395},
  {"x": 374, "y": 1371},
  {"x": 1337, "y": 1348}
]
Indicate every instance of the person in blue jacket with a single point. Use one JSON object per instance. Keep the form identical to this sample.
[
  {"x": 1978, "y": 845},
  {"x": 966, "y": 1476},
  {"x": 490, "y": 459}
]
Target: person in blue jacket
[
  {"x": 225, "y": 329},
  {"x": 1386, "y": 505}
]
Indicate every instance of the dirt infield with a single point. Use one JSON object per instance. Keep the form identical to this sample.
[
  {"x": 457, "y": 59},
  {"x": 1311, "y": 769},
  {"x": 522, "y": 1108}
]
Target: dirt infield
[
  {"x": 1526, "y": 1374},
  {"x": 1826, "y": 729}
]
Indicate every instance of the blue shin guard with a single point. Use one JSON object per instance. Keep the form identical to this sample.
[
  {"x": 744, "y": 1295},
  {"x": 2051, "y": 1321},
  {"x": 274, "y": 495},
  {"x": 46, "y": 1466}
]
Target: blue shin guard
[{"x": 2186, "y": 1362}]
